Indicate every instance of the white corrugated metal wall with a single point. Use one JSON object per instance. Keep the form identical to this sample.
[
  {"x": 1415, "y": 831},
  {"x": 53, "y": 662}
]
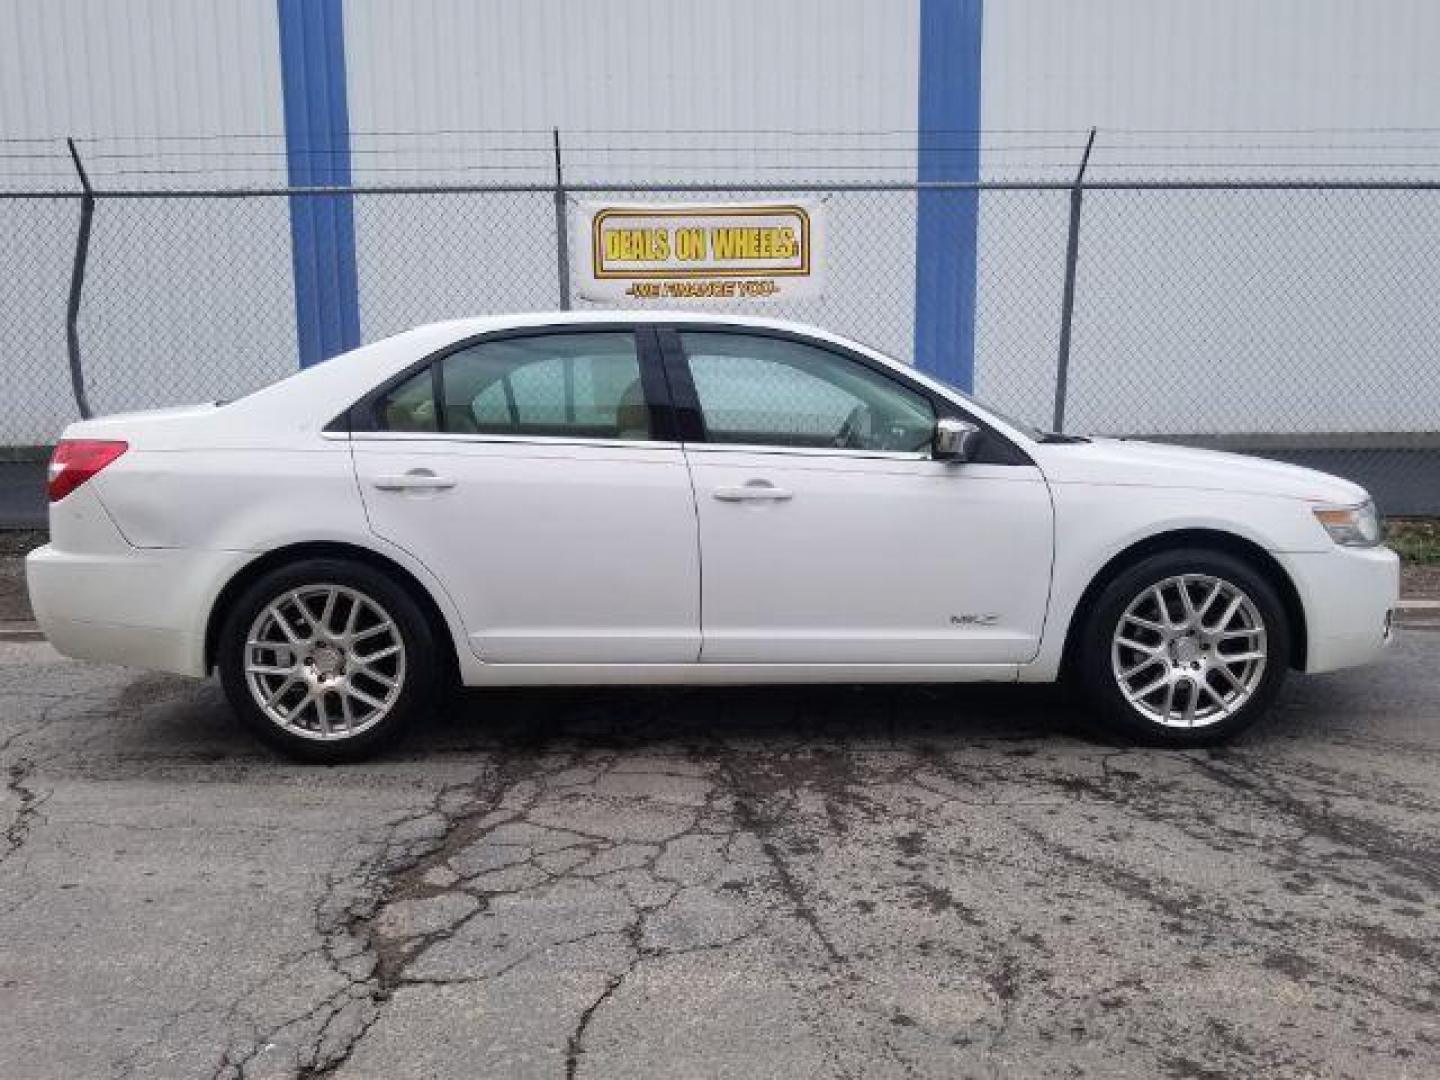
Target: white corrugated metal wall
[
  {"x": 1309, "y": 307},
  {"x": 1230, "y": 68},
  {"x": 651, "y": 91},
  {"x": 642, "y": 91},
  {"x": 158, "y": 92},
  {"x": 633, "y": 66}
]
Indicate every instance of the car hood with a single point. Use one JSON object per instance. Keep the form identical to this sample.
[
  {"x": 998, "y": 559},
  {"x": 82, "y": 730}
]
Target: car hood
[{"x": 1145, "y": 464}]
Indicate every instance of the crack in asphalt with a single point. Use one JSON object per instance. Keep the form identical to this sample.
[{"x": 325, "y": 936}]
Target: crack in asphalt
[
  {"x": 18, "y": 782},
  {"x": 29, "y": 802},
  {"x": 575, "y": 1044},
  {"x": 490, "y": 811},
  {"x": 341, "y": 918},
  {"x": 750, "y": 817},
  {"x": 498, "y": 812},
  {"x": 894, "y": 898},
  {"x": 1247, "y": 774}
]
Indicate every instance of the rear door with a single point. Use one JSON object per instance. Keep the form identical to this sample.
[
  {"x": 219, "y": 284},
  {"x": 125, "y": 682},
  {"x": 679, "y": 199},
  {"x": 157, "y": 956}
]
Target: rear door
[{"x": 535, "y": 475}]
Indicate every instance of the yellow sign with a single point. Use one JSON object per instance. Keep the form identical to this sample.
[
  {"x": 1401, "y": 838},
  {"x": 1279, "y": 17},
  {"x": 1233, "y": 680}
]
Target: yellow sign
[{"x": 685, "y": 251}]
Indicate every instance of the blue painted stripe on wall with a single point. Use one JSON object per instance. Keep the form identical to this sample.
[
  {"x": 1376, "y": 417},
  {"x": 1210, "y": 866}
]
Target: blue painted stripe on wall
[
  {"x": 317, "y": 150},
  {"x": 946, "y": 223}
]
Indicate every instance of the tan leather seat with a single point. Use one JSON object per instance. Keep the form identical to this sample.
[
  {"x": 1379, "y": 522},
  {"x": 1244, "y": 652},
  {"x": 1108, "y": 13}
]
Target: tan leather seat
[{"x": 632, "y": 414}]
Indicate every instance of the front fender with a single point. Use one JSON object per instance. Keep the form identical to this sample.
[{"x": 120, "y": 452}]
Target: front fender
[{"x": 1096, "y": 523}]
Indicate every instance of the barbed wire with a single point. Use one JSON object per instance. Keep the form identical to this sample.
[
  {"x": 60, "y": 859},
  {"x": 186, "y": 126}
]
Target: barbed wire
[
  {"x": 685, "y": 154},
  {"x": 571, "y": 133}
]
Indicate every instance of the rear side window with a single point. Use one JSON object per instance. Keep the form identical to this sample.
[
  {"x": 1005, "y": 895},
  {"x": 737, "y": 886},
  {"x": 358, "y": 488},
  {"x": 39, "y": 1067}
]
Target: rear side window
[
  {"x": 582, "y": 385},
  {"x": 410, "y": 406}
]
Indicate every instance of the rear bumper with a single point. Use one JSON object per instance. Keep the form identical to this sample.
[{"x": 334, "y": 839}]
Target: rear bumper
[
  {"x": 1349, "y": 596},
  {"x": 138, "y": 607}
]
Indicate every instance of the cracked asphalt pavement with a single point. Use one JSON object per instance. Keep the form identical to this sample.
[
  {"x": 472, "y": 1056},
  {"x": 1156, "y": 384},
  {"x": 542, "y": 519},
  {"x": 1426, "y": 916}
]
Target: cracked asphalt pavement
[{"x": 862, "y": 882}]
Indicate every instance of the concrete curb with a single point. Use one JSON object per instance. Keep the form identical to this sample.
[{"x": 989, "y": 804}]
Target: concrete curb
[
  {"x": 20, "y": 630},
  {"x": 1418, "y": 613}
]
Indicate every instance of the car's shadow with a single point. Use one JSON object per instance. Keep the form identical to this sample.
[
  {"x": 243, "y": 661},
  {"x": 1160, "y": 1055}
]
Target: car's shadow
[
  {"x": 783, "y": 715},
  {"x": 160, "y": 721}
]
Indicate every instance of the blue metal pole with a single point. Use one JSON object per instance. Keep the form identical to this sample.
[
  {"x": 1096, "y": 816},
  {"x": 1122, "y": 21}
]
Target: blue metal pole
[
  {"x": 946, "y": 229},
  {"x": 317, "y": 148}
]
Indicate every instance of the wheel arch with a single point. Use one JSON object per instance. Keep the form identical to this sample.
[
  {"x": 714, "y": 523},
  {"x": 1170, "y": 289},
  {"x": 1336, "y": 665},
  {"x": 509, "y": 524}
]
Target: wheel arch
[
  {"x": 1214, "y": 540},
  {"x": 277, "y": 557}
]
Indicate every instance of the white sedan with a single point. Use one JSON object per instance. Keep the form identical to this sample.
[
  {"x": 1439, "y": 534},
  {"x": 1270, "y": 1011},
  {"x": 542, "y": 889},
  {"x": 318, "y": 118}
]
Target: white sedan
[{"x": 679, "y": 498}]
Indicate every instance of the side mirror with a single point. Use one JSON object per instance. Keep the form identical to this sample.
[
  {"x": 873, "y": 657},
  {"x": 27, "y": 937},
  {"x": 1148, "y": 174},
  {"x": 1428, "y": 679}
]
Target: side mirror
[{"x": 954, "y": 440}]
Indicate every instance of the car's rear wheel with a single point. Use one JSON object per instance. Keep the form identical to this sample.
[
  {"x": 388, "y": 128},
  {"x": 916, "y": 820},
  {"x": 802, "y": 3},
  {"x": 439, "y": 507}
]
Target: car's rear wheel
[
  {"x": 1185, "y": 648},
  {"x": 326, "y": 659}
]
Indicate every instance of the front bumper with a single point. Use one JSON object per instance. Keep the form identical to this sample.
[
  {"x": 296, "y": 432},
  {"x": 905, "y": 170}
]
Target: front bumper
[{"x": 1349, "y": 596}]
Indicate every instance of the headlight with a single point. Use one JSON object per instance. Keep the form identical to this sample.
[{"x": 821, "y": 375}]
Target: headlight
[{"x": 1352, "y": 526}]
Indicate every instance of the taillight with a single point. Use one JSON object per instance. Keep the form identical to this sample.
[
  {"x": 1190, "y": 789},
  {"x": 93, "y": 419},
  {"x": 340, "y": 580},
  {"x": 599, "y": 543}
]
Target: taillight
[{"x": 77, "y": 460}]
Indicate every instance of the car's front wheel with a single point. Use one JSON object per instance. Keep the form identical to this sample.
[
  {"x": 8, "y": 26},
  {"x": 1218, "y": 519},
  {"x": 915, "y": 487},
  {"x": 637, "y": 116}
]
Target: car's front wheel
[
  {"x": 325, "y": 659},
  {"x": 1185, "y": 648}
]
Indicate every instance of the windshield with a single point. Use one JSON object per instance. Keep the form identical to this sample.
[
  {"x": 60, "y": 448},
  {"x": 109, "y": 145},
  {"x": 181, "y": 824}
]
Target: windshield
[{"x": 1030, "y": 431}]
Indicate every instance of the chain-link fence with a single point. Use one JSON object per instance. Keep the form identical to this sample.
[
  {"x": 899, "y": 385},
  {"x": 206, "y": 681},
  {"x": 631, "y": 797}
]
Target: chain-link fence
[{"x": 1298, "y": 321}]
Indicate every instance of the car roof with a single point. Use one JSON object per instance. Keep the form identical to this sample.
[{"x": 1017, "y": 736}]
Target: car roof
[
  {"x": 481, "y": 324},
  {"x": 463, "y": 328},
  {"x": 313, "y": 396}
]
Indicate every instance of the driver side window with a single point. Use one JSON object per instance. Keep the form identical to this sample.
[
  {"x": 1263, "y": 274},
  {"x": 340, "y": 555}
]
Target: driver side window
[{"x": 764, "y": 391}]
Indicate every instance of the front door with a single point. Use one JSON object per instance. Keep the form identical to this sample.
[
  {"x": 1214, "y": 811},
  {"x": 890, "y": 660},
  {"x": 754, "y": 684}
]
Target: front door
[
  {"x": 525, "y": 472},
  {"x": 827, "y": 532}
]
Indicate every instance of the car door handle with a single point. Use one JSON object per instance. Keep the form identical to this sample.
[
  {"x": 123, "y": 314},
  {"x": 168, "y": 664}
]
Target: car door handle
[
  {"x": 757, "y": 490},
  {"x": 415, "y": 480}
]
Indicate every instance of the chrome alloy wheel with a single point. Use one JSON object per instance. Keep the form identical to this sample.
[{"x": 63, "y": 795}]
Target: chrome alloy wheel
[
  {"x": 324, "y": 662},
  {"x": 1189, "y": 651}
]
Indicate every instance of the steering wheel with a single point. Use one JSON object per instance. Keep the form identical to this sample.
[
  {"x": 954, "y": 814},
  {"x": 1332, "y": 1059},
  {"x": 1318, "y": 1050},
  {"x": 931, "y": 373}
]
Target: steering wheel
[{"x": 848, "y": 438}]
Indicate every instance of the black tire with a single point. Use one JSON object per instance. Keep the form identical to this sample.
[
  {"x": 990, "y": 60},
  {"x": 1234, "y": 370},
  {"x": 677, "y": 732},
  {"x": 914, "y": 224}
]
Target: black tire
[
  {"x": 415, "y": 683},
  {"x": 1101, "y": 683}
]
